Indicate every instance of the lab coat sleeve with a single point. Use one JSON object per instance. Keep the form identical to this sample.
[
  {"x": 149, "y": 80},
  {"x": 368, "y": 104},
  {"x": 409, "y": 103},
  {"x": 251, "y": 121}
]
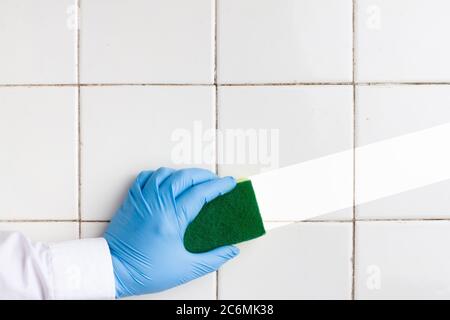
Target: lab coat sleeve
[{"x": 78, "y": 269}]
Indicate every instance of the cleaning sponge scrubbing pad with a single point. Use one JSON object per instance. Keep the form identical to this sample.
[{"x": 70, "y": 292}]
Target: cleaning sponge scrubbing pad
[{"x": 231, "y": 218}]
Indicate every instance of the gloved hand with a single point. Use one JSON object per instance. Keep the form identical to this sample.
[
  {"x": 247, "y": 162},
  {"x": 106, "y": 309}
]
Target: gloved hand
[{"x": 145, "y": 236}]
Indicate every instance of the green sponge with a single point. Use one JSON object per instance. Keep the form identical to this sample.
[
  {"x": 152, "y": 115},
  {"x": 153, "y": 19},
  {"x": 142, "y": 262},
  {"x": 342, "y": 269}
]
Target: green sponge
[{"x": 231, "y": 218}]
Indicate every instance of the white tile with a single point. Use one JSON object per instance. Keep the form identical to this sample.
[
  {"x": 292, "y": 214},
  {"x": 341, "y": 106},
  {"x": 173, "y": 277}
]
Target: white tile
[
  {"x": 385, "y": 112},
  {"x": 38, "y": 43},
  {"x": 402, "y": 40},
  {"x": 403, "y": 260},
  {"x": 38, "y": 146},
  {"x": 44, "y": 231},
  {"x": 283, "y": 125},
  {"x": 274, "y": 225},
  {"x": 127, "y": 129},
  {"x": 267, "y": 41},
  {"x": 203, "y": 288},
  {"x": 147, "y": 41},
  {"x": 93, "y": 229},
  {"x": 299, "y": 261}
]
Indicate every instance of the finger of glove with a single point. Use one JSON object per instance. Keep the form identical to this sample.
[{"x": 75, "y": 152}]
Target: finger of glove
[
  {"x": 151, "y": 187},
  {"x": 192, "y": 200},
  {"x": 143, "y": 177},
  {"x": 183, "y": 179}
]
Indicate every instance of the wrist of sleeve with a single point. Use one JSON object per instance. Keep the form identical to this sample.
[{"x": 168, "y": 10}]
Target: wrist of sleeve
[{"x": 82, "y": 269}]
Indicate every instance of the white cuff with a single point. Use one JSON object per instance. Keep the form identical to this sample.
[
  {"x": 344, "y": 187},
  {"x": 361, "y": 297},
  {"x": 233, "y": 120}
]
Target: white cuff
[{"x": 82, "y": 269}]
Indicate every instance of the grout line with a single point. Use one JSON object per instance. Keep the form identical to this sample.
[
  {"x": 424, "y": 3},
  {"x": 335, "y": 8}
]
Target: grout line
[
  {"x": 79, "y": 161},
  {"x": 78, "y": 116},
  {"x": 36, "y": 220},
  {"x": 308, "y": 221},
  {"x": 215, "y": 42},
  {"x": 4, "y": 85},
  {"x": 146, "y": 84},
  {"x": 274, "y": 84},
  {"x": 353, "y": 260},
  {"x": 216, "y": 104},
  {"x": 319, "y": 83},
  {"x": 216, "y": 101},
  {"x": 361, "y": 220},
  {"x": 216, "y": 112},
  {"x": 216, "y": 128},
  {"x": 374, "y": 220},
  {"x": 402, "y": 219},
  {"x": 105, "y": 84},
  {"x": 51, "y": 220},
  {"x": 284, "y": 84},
  {"x": 401, "y": 83}
]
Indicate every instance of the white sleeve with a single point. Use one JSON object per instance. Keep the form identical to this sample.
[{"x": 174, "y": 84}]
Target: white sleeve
[{"x": 79, "y": 269}]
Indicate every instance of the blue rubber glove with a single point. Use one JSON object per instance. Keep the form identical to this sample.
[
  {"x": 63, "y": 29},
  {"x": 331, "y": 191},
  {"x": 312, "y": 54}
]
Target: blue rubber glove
[{"x": 145, "y": 236}]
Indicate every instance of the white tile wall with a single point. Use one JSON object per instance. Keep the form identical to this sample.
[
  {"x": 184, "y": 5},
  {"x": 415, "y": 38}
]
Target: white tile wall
[
  {"x": 199, "y": 289},
  {"x": 403, "y": 260},
  {"x": 298, "y": 261},
  {"x": 38, "y": 41},
  {"x": 147, "y": 41},
  {"x": 85, "y": 108},
  {"x": 128, "y": 129},
  {"x": 385, "y": 112},
  {"x": 402, "y": 40},
  {"x": 267, "y": 41},
  {"x": 310, "y": 121}
]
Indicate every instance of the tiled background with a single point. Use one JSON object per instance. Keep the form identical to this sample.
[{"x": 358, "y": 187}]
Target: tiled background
[{"x": 84, "y": 107}]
